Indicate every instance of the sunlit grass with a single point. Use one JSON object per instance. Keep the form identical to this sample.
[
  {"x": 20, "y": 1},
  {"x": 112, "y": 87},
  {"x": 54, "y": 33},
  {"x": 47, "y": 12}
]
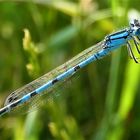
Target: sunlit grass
[{"x": 100, "y": 103}]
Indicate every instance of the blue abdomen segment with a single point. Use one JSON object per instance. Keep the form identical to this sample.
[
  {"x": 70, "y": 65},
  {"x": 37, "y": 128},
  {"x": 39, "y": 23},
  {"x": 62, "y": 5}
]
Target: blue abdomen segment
[
  {"x": 44, "y": 87},
  {"x": 25, "y": 98}
]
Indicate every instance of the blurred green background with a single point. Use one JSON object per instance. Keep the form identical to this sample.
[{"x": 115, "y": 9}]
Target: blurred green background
[{"x": 101, "y": 102}]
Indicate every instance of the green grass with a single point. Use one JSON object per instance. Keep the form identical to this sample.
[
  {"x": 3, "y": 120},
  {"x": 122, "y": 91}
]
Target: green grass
[{"x": 101, "y": 102}]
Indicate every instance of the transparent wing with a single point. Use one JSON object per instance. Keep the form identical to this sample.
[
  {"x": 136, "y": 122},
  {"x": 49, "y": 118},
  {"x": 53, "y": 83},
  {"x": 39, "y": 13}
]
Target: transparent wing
[
  {"x": 40, "y": 100},
  {"x": 19, "y": 93}
]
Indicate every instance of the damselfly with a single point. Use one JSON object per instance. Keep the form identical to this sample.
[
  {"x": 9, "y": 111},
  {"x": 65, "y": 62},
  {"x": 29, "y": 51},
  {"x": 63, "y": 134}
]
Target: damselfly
[{"x": 26, "y": 95}]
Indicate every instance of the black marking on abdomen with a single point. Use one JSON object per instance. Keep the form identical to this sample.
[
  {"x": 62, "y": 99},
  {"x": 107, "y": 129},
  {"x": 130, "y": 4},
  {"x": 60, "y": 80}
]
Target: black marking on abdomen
[
  {"x": 96, "y": 57},
  {"x": 3, "y": 110},
  {"x": 14, "y": 104},
  {"x": 33, "y": 93},
  {"x": 76, "y": 68},
  {"x": 54, "y": 81}
]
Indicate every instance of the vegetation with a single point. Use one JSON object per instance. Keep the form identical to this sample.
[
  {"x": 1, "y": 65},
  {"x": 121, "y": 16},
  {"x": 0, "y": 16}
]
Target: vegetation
[{"x": 101, "y": 102}]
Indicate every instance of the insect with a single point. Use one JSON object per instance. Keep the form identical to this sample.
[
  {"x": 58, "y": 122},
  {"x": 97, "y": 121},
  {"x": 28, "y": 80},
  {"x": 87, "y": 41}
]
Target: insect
[{"x": 32, "y": 91}]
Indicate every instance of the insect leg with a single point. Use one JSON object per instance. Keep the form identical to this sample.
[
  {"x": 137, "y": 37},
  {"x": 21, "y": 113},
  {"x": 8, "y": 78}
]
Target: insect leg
[{"x": 131, "y": 52}]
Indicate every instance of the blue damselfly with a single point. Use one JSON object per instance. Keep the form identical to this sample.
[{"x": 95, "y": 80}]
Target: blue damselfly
[{"x": 44, "y": 84}]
